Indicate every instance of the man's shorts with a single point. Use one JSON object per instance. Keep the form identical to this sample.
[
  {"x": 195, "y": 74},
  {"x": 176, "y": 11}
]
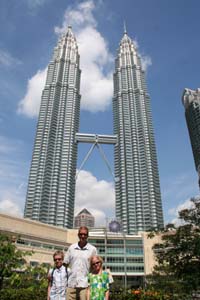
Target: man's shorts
[{"x": 76, "y": 293}]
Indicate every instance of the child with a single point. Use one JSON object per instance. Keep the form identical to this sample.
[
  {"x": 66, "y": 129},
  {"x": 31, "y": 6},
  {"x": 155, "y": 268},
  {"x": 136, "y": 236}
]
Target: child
[
  {"x": 98, "y": 280},
  {"x": 57, "y": 278}
]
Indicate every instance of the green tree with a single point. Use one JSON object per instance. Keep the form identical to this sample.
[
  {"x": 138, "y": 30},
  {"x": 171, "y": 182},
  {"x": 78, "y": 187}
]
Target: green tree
[
  {"x": 17, "y": 280},
  {"x": 30, "y": 277},
  {"x": 10, "y": 258},
  {"x": 27, "y": 285},
  {"x": 178, "y": 256}
]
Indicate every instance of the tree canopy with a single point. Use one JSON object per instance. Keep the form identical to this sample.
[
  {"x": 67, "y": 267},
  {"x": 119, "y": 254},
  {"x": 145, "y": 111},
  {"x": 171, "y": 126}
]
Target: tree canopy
[
  {"x": 17, "y": 279},
  {"x": 178, "y": 256},
  {"x": 10, "y": 257}
]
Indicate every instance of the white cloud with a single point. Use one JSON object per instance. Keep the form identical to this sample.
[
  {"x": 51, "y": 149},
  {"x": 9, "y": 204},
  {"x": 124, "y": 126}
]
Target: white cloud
[
  {"x": 7, "y": 206},
  {"x": 96, "y": 61},
  {"x": 174, "y": 212},
  {"x": 96, "y": 88},
  {"x": 7, "y": 59},
  {"x": 30, "y": 104},
  {"x": 13, "y": 175},
  {"x": 95, "y": 58},
  {"x": 33, "y": 4},
  {"x": 78, "y": 17},
  {"x": 146, "y": 62},
  {"x": 96, "y": 196},
  {"x": 177, "y": 189},
  {"x": 13, "y": 189}
]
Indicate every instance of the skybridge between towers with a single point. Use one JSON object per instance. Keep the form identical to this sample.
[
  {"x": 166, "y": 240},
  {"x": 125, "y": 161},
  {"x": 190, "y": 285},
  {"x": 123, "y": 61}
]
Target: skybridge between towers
[{"x": 96, "y": 140}]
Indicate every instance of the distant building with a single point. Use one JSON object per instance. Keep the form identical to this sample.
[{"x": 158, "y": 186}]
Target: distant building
[
  {"x": 84, "y": 218},
  {"x": 191, "y": 102}
]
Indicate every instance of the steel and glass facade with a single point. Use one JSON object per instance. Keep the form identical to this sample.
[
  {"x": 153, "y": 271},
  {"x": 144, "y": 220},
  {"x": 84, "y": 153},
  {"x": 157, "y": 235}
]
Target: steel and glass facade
[
  {"x": 137, "y": 187},
  {"x": 51, "y": 186},
  {"x": 122, "y": 254},
  {"x": 191, "y": 102}
]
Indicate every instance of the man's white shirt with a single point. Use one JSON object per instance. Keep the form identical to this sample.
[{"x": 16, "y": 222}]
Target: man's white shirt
[{"x": 79, "y": 263}]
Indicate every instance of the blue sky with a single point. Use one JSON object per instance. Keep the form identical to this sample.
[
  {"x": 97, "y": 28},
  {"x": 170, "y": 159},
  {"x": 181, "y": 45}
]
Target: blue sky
[{"x": 167, "y": 37}]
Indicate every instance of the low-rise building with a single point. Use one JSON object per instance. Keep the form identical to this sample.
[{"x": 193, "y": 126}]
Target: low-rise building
[
  {"x": 38, "y": 237},
  {"x": 129, "y": 257}
]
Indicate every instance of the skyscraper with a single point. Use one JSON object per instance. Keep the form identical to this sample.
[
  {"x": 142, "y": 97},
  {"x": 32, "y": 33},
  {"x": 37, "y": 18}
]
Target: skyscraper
[
  {"x": 191, "y": 102},
  {"x": 51, "y": 186},
  {"x": 138, "y": 199}
]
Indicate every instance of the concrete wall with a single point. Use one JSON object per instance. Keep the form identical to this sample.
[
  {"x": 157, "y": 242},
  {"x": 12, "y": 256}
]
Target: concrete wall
[
  {"x": 149, "y": 256},
  {"x": 40, "y": 233}
]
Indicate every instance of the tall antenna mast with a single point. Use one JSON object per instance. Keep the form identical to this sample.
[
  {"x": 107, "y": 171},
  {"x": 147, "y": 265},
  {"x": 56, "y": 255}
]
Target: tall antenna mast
[{"x": 125, "y": 27}]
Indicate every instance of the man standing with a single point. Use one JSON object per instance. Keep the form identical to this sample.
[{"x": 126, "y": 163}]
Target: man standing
[{"x": 78, "y": 258}]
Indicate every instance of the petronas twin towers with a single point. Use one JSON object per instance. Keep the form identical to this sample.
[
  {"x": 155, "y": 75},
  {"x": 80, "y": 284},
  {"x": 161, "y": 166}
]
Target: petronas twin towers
[{"x": 51, "y": 187}]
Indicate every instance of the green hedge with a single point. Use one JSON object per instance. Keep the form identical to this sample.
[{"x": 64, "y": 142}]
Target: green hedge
[{"x": 24, "y": 294}]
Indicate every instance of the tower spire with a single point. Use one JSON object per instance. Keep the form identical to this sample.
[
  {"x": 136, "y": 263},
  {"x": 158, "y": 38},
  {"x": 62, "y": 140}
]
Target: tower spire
[{"x": 125, "y": 32}]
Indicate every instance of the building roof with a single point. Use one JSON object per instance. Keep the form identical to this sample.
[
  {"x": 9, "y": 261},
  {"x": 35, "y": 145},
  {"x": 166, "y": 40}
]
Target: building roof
[{"x": 84, "y": 211}]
